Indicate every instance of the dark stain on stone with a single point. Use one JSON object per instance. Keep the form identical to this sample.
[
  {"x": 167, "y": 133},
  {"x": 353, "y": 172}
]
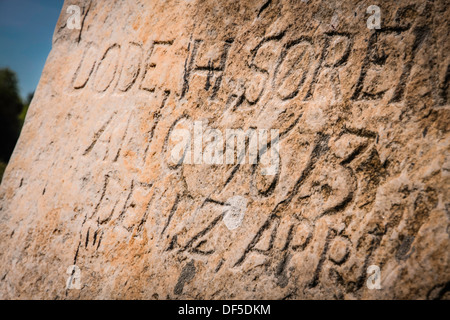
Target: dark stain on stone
[
  {"x": 425, "y": 131},
  {"x": 404, "y": 248},
  {"x": 187, "y": 274}
]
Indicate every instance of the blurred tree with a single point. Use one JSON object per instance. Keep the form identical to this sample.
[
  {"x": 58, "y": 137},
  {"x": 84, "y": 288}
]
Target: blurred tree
[
  {"x": 30, "y": 97},
  {"x": 10, "y": 109}
]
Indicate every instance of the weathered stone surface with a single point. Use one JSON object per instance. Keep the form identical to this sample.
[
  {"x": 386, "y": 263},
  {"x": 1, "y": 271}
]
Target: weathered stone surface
[{"x": 363, "y": 119}]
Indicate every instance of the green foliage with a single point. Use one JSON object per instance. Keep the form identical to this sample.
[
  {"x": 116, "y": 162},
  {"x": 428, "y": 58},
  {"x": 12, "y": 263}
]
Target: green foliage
[{"x": 10, "y": 108}]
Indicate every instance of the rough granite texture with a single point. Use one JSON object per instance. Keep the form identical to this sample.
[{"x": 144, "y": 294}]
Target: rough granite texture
[{"x": 364, "y": 176}]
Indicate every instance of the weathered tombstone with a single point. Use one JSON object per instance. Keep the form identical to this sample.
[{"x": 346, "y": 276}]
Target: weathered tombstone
[{"x": 356, "y": 204}]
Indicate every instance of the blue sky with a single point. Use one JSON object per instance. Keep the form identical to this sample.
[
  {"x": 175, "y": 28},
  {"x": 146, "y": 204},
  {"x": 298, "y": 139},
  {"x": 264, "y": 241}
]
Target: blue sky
[{"x": 26, "y": 30}]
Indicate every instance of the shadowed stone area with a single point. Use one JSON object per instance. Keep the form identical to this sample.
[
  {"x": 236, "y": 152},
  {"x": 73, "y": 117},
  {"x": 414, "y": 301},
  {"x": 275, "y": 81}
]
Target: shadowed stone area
[{"x": 357, "y": 118}]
